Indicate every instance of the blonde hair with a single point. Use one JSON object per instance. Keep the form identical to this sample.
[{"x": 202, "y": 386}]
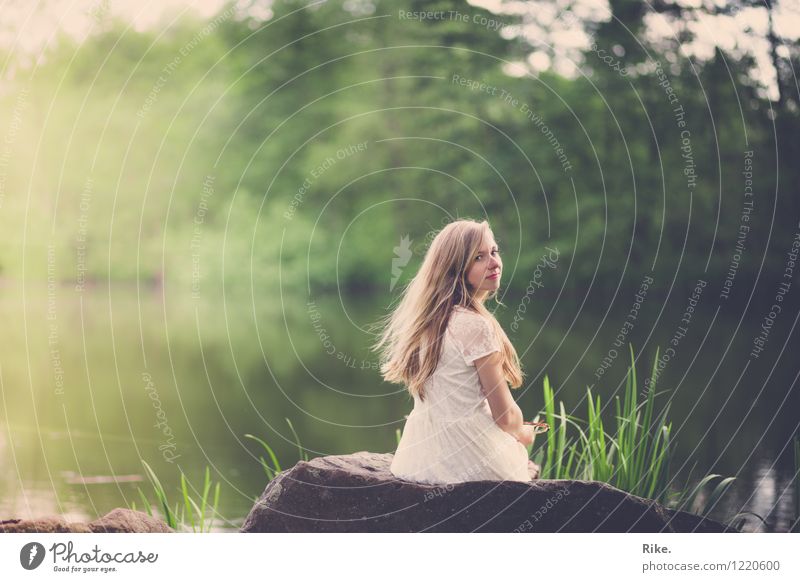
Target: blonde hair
[{"x": 411, "y": 341}]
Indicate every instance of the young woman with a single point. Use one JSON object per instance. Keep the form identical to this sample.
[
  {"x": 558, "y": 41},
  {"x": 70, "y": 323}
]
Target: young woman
[{"x": 451, "y": 353}]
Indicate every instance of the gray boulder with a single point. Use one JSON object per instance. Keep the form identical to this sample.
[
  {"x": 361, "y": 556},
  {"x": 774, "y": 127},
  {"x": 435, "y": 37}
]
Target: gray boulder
[{"x": 357, "y": 493}]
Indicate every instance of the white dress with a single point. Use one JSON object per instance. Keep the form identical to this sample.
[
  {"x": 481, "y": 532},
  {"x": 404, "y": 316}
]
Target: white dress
[{"x": 451, "y": 437}]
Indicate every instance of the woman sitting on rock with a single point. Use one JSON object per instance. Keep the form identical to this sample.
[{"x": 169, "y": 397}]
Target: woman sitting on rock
[{"x": 456, "y": 361}]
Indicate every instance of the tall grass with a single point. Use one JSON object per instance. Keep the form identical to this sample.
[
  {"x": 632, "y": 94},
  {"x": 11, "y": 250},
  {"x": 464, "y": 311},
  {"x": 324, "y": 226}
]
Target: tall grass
[
  {"x": 634, "y": 458},
  {"x": 187, "y": 514}
]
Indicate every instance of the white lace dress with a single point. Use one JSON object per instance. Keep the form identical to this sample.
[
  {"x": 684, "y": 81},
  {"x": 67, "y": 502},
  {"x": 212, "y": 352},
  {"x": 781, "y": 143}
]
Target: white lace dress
[{"x": 451, "y": 437}]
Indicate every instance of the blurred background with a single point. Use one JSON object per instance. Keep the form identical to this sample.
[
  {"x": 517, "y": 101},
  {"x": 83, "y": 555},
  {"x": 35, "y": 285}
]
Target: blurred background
[{"x": 204, "y": 205}]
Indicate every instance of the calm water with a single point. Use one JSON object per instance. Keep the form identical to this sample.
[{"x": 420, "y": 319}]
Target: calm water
[{"x": 93, "y": 383}]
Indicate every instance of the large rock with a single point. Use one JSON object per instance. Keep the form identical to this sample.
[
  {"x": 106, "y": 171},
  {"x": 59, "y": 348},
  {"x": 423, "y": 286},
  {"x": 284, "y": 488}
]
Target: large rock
[
  {"x": 357, "y": 493},
  {"x": 115, "y": 521}
]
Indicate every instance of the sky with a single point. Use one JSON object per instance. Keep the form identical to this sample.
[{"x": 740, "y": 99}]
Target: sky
[{"x": 29, "y": 25}]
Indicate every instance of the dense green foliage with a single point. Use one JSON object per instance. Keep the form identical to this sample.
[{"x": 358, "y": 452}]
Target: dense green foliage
[{"x": 253, "y": 108}]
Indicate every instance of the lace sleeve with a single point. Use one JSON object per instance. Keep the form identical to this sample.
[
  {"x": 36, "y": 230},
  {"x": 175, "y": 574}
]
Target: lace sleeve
[{"x": 474, "y": 336}]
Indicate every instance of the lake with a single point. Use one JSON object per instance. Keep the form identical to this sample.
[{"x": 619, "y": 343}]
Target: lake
[{"x": 95, "y": 381}]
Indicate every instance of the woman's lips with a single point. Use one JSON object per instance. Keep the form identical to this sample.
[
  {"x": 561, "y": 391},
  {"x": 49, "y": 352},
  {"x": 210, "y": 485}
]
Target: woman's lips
[{"x": 495, "y": 276}]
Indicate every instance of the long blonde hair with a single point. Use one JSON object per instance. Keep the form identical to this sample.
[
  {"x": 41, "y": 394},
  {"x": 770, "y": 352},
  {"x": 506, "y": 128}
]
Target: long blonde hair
[{"x": 410, "y": 344}]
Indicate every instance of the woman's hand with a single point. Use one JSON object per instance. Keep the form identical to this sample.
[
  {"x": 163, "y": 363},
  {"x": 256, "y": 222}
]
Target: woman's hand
[{"x": 526, "y": 435}]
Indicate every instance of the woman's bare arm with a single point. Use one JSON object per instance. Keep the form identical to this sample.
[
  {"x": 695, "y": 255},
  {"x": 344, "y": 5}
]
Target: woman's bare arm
[{"x": 505, "y": 411}]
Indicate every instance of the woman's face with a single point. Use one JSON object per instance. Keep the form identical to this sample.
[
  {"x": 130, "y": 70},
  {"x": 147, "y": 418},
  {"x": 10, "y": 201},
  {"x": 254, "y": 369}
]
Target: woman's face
[{"x": 485, "y": 271}]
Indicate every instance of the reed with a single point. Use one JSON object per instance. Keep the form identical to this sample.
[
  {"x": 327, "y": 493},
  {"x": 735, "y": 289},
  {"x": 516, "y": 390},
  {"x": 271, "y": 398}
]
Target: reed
[
  {"x": 634, "y": 457},
  {"x": 191, "y": 515}
]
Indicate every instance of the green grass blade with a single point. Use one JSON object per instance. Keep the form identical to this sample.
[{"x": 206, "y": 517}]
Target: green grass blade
[
  {"x": 267, "y": 448},
  {"x": 191, "y": 509},
  {"x": 718, "y": 492},
  {"x": 548, "y": 467},
  {"x": 204, "y": 498},
  {"x": 568, "y": 470},
  {"x": 161, "y": 495},
  {"x": 302, "y": 453},
  {"x": 689, "y": 502},
  {"x": 561, "y": 441},
  {"x": 214, "y": 505},
  {"x": 145, "y": 503},
  {"x": 186, "y": 500}
]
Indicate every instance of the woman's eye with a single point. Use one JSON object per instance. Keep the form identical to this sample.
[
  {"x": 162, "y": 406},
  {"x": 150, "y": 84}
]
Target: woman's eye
[{"x": 495, "y": 252}]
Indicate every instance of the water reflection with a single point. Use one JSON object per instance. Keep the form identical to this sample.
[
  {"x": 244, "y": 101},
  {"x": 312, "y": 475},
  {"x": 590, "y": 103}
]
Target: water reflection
[{"x": 218, "y": 374}]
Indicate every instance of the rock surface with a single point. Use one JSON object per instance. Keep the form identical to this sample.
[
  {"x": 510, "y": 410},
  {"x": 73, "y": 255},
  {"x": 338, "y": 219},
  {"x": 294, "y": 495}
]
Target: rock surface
[
  {"x": 117, "y": 520},
  {"x": 357, "y": 493}
]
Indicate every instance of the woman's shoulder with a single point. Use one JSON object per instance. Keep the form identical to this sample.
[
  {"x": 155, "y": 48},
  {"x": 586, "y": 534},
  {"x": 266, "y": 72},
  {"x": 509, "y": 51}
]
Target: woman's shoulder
[
  {"x": 467, "y": 312},
  {"x": 460, "y": 313},
  {"x": 473, "y": 334},
  {"x": 465, "y": 318}
]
